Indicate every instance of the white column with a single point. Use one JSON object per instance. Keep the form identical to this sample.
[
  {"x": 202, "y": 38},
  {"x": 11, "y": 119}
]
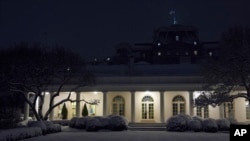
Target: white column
[
  {"x": 191, "y": 103},
  {"x": 104, "y": 103},
  {"x": 132, "y": 106},
  {"x": 51, "y": 115},
  {"x": 78, "y": 104},
  {"x": 162, "y": 108},
  {"x": 26, "y": 108}
]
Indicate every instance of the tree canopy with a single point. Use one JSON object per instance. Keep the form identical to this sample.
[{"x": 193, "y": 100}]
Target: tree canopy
[
  {"x": 36, "y": 69},
  {"x": 230, "y": 71}
]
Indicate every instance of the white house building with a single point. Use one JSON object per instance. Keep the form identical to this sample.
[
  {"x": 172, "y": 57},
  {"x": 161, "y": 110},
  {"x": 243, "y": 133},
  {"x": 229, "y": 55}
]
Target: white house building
[{"x": 150, "y": 82}]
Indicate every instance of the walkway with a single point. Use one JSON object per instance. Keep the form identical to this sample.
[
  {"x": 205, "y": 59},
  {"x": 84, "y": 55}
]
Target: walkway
[{"x": 80, "y": 135}]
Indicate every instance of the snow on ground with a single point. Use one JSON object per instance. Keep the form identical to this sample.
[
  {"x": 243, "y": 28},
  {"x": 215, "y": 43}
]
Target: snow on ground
[{"x": 80, "y": 135}]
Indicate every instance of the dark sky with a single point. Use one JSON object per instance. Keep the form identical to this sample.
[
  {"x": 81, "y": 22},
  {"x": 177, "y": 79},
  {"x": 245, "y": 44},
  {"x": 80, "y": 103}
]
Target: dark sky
[{"x": 94, "y": 27}]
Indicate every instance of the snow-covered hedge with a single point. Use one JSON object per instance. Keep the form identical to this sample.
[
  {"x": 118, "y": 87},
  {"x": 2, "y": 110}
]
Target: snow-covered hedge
[
  {"x": 209, "y": 125},
  {"x": 72, "y": 122},
  {"x": 178, "y": 123},
  {"x": 80, "y": 123},
  {"x": 93, "y": 124},
  {"x": 46, "y": 126},
  {"x": 61, "y": 122},
  {"x": 195, "y": 125},
  {"x": 117, "y": 123},
  {"x": 185, "y": 122},
  {"x": 112, "y": 122},
  {"x": 223, "y": 124},
  {"x": 20, "y": 133},
  {"x": 105, "y": 123}
]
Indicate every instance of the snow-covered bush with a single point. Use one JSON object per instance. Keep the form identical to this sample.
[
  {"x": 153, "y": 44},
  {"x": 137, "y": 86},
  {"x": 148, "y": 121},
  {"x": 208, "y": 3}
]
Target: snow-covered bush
[
  {"x": 46, "y": 126},
  {"x": 20, "y": 133},
  {"x": 197, "y": 118},
  {"x": 40, "y": 124},
  {"x": 81, "y": 122},
  {"x": 232, "y": 120},
  {"x": 23, "y": 123},
  {"x": 194, "y": 125},
  {"x": 93, "y": 124},
  {"x": 117, "y": 123},
  {"x": 52, "y": 128},
  {"x": 72, "y": 122},
  {"x": 61, "y": 122},
  {"x": 209, "y": 125},
  {"x": 178, "y": 123},
  {"x": 223, "y": 124},
  {"x": 104, "y": 122}
]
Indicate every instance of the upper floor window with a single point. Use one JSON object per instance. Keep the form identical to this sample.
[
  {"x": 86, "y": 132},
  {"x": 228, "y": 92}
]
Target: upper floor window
[{"x": 177, "y": 38}]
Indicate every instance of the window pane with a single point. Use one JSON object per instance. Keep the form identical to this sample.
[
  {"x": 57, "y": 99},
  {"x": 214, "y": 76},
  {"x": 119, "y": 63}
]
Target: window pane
[
  {"x": 151, "y": 111},
  {"x": 175, "y": 109},
  {"x": 144, "y": 111},
  {"x": 198, "y": 111}
]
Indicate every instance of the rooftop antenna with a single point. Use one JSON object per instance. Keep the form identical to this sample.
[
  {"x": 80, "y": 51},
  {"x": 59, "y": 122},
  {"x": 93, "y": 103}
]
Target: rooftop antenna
[{"x": 172, "y": 13}]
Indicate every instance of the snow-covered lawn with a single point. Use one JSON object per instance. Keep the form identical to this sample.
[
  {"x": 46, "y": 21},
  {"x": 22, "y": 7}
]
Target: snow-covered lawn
[{"x": 80, "y": 135}]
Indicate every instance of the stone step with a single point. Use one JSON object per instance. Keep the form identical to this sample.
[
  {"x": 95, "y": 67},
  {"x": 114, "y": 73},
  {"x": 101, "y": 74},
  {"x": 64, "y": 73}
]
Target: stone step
[{"x": 147, "y": 126}]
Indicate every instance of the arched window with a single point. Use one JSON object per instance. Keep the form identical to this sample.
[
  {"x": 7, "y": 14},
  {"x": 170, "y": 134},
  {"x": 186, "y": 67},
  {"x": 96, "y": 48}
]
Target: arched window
[
  {"x": 118, "y": 106},
  {"x": 178, "y": 105},
  {"x": 228, "y": 110},
  {"x": 247, "y": 109},
  {"x": 202, "y": 111},
  {"x": 147, "y": 107}
]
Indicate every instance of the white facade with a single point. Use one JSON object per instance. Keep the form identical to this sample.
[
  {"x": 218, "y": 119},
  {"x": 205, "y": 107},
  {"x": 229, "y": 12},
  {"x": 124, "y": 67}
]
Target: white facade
[{"x": 146, "y": 98}]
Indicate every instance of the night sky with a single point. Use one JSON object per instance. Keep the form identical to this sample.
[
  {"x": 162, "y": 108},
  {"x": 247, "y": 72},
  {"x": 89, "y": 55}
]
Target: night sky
[{"x": 95, "y": 27}]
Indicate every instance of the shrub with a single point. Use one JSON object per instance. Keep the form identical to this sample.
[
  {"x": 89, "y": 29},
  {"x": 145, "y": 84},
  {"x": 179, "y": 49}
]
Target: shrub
[
  {"x": 64, "y": 112},
  {"x": 61, "y": 122},
  {"x": 85, "y": 110},
  {"x": 178, "y": 123},
  {"x": 197, "y": 118},
  {"x": 194, "y": 125},
  {"x": 232, "y": 121},
  {"x": 223, "y": 124},
  {"x": 105, "y": 123},
  {"x": 117, "y": 123},
  {"x": 20, "y": 133},
  {"x": 52, "y": 128},
  {"x": 40, "y": 124},
  {"x": 81, "y": 123},
  {"x": 209, "y": 125},
  {"x": 93, "y": 124},
  {"x": 72, "y": 122}
]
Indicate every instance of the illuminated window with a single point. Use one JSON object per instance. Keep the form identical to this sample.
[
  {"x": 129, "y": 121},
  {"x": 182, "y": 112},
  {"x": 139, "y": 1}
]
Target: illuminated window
[
  {"x": 177, "y": 38},
  {"x": 228, "y": 110},
  {"x": 158, "y": 44},
  {"x": 202, "y": 112},
  {"x": 147, "y": 107},
  {"x": 92, "y": 110},
  {"x": 178, "y": 105},
  {"x": 247, "y": 109},
  {"x": 159, "y": 53},
  {"x": 210, "y": 53},
  {"x": 195, "y": 52},
  {"x": 118, "y": 106},
  {"x": 195, "y": 43}
]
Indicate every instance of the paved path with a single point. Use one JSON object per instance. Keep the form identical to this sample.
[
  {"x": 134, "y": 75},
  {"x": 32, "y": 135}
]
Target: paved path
[{"x": 80, "y": 135}]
